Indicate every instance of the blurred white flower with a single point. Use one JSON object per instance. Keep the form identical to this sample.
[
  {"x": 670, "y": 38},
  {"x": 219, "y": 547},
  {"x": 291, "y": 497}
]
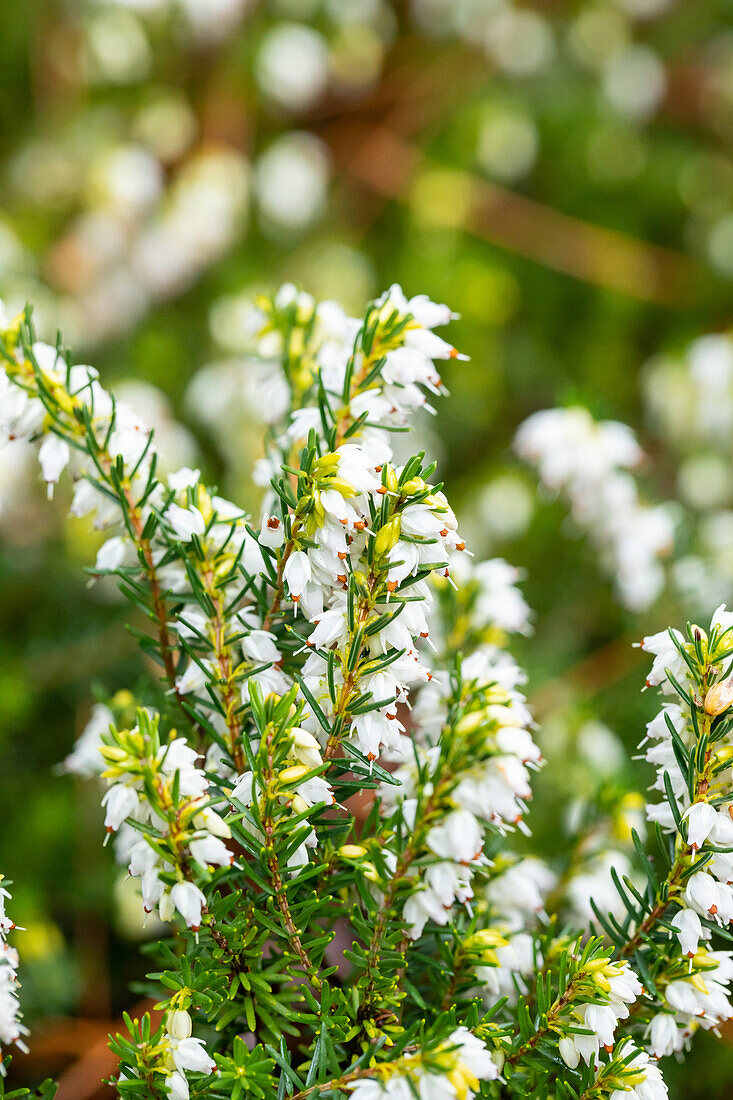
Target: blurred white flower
[
  {"x": 291, "y": 181},
  {"x": 292, "y": 66}
]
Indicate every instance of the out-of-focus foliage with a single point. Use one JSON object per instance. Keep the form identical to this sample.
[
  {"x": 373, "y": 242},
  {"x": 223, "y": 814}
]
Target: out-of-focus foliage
[{"x": 560, "y": 173}]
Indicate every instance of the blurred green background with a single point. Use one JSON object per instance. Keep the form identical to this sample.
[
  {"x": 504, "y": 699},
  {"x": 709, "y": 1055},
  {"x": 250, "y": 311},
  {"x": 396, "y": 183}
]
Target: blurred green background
[{"x": 559, "y": 173}]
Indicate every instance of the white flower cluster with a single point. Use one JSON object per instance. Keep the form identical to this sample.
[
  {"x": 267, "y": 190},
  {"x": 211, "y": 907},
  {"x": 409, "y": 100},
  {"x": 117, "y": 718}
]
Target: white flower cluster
[
  {"x": 691, "y": 395},
  {"x": 186, "y": 827},
  {"x": 394, "y": 392},
  {"x": 11, "y": 1029},
  {"x": 697, "y": 993},
  {"x": 141, "y": 241},
  {"x": 689, "y": 399},
  {"x": 489, "y": 787},
  {"x": 323, "y": 594},
  {"x": 499, "y": 604},
  {"x": 452, "y": 1071},
  {"x": 116, "y": 426},
  {"x": 699, "y": 996},
  {"x": 588, "y": 461},
  {"x": 385, "y": 385},
  {"x": 189, "y": 521},
  {"x": 183, "y": 1054},
  {"x": 630, "y": 1075},
  {"x": 621, "y": 988},
  {"x": 178, "y": 1053}
]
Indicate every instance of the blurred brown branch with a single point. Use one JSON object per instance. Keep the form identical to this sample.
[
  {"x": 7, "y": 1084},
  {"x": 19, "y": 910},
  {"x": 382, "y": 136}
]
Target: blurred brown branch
[
  {"x": 371, "y": 147},
  {"x": 389, "y": 165}
]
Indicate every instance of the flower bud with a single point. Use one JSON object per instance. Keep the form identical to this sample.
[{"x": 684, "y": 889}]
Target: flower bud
[
  {"x": 723, "y": 756},
  {"x": 720, "y": 697},
  {"x": 389, "y": 478},
  {"x": 352, "y": 851},
  {"x": 293, "y": 774},
  {"x": 178, "y": 1024},
  {"x": 413, "y": 486},
  {"x": 387, "y": 536},
  {"x": 113, "y": 754},
  {"x": 471, "y": 722}
]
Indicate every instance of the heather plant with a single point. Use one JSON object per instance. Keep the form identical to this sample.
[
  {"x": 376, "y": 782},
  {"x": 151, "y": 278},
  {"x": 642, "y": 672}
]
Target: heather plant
[{"x": 323, "y": 795}]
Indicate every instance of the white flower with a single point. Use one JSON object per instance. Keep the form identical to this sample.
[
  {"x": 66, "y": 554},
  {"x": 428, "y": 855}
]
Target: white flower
[
  {"x": 652, "y": 1086},
  {"x": 306, "y": 748},
  {"x": 272, "y": 532},
  {"x": 689, "y": 930},
  {"x": 186, "y": 522},
  {"x": 112, "y": 554},
  {"x": 53, "y": 455},
  {"x": 185, "y": 478},
  {"x": 209, "y": 820},
  {"x": 243, "y": 789},
  {"x": 120, "y": 802},
  {"x": 297, "y": 573},
  {"x": 190, "y": 1053},
  {"x": 177, "y": 1086},
  {"x": 211, "y": 850},
  {"x": 192, "y": 680},
  {"x": 569, "y": 1051},
  {"x": 421, "y": 906},
  {"x": 664, "y": 1035},
  {"x": 666, "y": 657},
  {"x": 701, "y": 818},
  {"x": 189, "y": 901},
  {"x": 88, "y": 499},
  {"x": 701, "y": 893},
  {"x": 459, "y": 837},
  {"x": 85, "y": 758}
]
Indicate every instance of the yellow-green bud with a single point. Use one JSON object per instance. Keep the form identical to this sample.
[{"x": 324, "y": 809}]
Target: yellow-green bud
[
  {"x": 113, "y": 754},
  {"x": 389, "y": 478},
  {"x": 293, "y": 774},
  {"x": 387, "y": 536},
  {"x": 723, "y": 755},
  {"x": 470, "y": 722}
]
